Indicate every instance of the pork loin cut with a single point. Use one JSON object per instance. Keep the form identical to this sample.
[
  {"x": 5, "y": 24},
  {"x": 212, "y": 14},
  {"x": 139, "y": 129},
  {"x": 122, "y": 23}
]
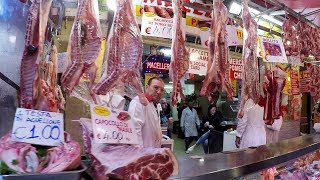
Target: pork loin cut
[{"x": 127, "y": 162}]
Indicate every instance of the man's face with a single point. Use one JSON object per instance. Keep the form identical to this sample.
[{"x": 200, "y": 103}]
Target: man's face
[{"x": 155, "y": 90}]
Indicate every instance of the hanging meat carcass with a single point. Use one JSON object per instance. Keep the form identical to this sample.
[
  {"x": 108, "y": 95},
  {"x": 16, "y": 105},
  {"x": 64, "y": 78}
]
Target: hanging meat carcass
[
  {"x": 125, "y": 161},
  {"x": 315, "y": 81},
  {"x": 218, "y": 63},
  {"x": 124, "y": 53},
  {"x": 180, "y": 57},
  {"x": 29, "y": 57},
  {"x": 250, "y": 75},
  {"x": 273, "y": 86},
  {"x": 291, "y": 39},
  {"x": 84, "y": 47}
]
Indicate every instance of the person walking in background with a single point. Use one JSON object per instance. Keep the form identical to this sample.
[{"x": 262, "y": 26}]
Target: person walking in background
[
  {"x": 251, "y": 128},
  {"x": 213, "y": 121},
  {"x": 189, "y": 123}
]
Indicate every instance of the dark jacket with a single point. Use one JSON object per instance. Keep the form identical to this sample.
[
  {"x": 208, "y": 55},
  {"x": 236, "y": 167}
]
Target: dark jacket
[{"x": 216, "y": 134}]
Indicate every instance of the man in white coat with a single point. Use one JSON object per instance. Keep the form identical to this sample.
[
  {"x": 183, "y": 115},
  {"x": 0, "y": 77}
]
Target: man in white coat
[
  {"x": 251, "y": 128},
  {"x": 189, "y": 120},
  {"x": 146, "y": 118}
]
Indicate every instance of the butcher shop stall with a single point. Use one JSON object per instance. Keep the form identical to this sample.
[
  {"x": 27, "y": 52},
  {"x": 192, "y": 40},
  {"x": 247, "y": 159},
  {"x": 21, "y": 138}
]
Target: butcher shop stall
[{"x": 112, "y": 89}]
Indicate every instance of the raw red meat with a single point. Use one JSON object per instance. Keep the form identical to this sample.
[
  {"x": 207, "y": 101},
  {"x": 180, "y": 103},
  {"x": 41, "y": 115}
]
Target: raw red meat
[
  {"x": 29, "y": 57},
  {"x": 291, "y": 39},
  {"x": 218, "y": 63},
  {"x": 124, "y": 53},
  {"x": 127, "y": 162},
  {"x": 22, "y": 153},
  {"x": 250, "y": 75},
  {"x": 85, "y": 46},
  {"x": 315, "y": 81},
  {"x": 62, "y": 158},
  {"x": 180, "y": 56},
  {"x": 273, "y": 86},
  {"x": 123, "y": 115}
]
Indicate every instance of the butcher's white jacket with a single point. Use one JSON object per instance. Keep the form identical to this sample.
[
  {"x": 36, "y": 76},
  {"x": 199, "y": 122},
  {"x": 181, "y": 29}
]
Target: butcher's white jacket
[
  {"x": 251, "y": 127},
  {"x": 147, "y": 123}
]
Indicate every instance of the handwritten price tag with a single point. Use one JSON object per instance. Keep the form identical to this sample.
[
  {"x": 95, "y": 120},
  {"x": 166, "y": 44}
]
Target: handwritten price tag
[
  {"x": 38, "y": 127},
  {"x": 112, "y": 126}
]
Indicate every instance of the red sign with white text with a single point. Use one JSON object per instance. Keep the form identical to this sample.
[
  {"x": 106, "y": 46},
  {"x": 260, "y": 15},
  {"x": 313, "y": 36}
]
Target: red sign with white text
[{"x": 236, "y": 66}]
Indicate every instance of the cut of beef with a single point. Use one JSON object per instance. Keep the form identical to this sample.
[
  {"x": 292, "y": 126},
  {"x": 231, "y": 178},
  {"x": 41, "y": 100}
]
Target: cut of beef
[{"x": 127, "y": 162}]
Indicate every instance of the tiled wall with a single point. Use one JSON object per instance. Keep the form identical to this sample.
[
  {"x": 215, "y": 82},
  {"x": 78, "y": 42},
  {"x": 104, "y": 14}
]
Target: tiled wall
[{"x": 12, "y": 32}]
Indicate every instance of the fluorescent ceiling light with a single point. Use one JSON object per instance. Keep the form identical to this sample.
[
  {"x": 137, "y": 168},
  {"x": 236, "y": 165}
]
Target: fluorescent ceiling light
[
  {"x": 254, "y": 11},
  {"x": 112, "y": 4},
  {"x": 271, "y": 19},
  {"x": 166, "y": 52},
  {"x": 170, "y": 82},
  {"x": 235, "y": 8}
]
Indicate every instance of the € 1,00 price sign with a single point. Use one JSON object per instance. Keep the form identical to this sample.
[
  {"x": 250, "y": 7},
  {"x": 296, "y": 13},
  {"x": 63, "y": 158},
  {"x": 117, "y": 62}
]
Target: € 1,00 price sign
[
  {"x": 38, "y": 127},
  {"x": 112, "y": 126}
]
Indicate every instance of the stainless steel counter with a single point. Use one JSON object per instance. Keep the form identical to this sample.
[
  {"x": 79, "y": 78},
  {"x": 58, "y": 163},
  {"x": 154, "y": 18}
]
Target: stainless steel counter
[{"x": 226, "y": 166}]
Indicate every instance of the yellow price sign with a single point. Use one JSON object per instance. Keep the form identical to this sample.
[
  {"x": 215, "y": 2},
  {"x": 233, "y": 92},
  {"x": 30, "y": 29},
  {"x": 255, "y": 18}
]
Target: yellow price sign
[{"x": 239, "y": 34}]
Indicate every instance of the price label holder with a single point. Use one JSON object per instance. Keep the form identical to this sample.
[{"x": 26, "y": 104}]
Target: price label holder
[
  {"x": 38, "y": 127},
  {"x": 112, "y": 126}
]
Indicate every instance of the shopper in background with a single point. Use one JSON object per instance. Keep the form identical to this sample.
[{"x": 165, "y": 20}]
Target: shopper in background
[
  {"x": 251, "y": 128},
  {"x": 213, "y": 123},
  {"x": 189, "y": 123},
  {"x": 146, "y": 118},
  {"x": 180, "y": 107},
  {"x": 166, "y": 117}
]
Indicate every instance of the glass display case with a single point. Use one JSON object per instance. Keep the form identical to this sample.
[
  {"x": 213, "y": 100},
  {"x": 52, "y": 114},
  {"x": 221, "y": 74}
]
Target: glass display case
[{"x": 296, "y": 158}]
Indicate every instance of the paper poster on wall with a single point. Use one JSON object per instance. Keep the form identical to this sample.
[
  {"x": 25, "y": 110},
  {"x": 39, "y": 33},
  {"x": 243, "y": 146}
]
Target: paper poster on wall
[
  {"x": 295, "y": 80},
  {"x": 236, "y": 65},
  {"x": 235, "y": 36},
  {"x": 305, "y": 78},
  {"x": 272, "y": 50},
  {"x": 198, "y": 61},
  {"x": 62, "y": 62}
]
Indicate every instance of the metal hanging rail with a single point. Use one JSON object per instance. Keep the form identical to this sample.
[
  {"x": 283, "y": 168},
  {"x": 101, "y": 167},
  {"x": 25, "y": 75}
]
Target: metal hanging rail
[{"x": 9, "y": 81}]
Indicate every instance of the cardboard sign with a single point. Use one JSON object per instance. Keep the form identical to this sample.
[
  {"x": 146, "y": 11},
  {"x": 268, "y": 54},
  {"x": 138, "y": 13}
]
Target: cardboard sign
[
  {"x": 272, "y": 50},
  {"x": 198, "y": 61},
  {"x": 236, "y": 65},
  {"x": 112, "y": 126},
  {"x": 38, "y": 127},
  {"x": 235, "y": 36}
]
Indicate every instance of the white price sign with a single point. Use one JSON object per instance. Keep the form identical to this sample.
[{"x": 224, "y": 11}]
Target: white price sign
[
  {"x": 112, "y": 126},
  {"x": 38, "y": 127},
  {"x": 272, "y": 50}
]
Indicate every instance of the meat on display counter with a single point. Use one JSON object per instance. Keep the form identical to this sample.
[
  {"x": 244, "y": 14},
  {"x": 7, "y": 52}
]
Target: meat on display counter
[{"x": 248, "y": 161}]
